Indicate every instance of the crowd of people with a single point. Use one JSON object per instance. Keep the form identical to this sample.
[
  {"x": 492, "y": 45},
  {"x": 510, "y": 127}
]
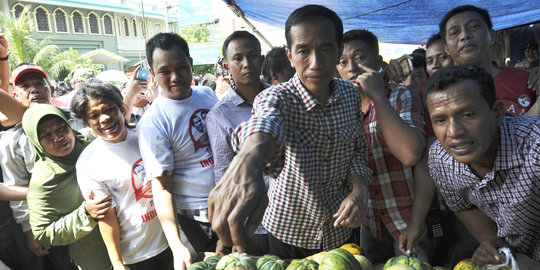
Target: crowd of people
[{"x": 433, "y": 154}]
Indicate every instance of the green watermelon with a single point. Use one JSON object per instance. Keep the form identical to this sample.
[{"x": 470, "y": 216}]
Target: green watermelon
[
  {"x": 339, "y": 259},
  {"x": 236, "y": 259},
  {"x": 271, "y": 262},
  {"x": 304, "y": 264},
  {"x": 414, "y": 262}
]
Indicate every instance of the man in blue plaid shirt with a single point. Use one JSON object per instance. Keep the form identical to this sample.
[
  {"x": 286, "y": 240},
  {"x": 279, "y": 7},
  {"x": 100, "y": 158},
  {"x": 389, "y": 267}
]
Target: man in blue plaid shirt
[{"x": 485, "y": 165}]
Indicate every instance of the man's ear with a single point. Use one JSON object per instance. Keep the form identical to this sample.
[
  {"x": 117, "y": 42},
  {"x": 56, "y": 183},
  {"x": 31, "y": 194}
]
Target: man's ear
[
  {"x": 500, "y": 111},
  {"x": 289, "y": 55},
  {"x": 191, "y": 62},
  {"x": 53, "y": 88},
  {"x": 152, "y": 72}
]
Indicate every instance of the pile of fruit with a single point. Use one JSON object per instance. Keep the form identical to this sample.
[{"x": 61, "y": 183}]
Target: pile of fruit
[{"x": 346, "y": 257}]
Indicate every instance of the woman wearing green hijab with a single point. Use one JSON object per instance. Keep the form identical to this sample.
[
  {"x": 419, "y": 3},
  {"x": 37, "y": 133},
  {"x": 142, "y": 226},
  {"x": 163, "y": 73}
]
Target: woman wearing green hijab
[{"x": 58, "y": 212}]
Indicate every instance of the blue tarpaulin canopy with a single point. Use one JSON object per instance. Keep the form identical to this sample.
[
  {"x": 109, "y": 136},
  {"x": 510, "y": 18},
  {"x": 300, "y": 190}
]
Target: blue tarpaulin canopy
[{"x": 400, "y": 21}]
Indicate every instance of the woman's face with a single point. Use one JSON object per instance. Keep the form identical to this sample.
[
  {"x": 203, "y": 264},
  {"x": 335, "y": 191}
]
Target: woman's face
[
  {"x": 56, "y": 137},
  {"x": 106, "y": 119}
]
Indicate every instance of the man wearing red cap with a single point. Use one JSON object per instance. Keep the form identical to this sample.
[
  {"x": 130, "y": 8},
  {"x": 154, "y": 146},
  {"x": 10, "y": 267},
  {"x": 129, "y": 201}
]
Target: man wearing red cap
[{"x": 17, "y": 157}]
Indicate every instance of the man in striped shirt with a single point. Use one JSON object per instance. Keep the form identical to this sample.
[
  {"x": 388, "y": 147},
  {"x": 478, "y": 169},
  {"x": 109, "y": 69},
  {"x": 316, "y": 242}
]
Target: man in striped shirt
[{"x": 485, "y": 165}]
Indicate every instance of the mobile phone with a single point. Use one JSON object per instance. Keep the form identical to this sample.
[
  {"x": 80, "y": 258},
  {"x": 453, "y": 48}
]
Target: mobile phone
[
  {"x": 406, "y": 66},
  {"x": 142, "y": 74}
]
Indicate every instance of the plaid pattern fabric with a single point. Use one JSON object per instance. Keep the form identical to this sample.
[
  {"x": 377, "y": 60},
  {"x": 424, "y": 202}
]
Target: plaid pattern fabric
[
  {"x": 318, "y": 146},
  {"x": 510, "y": 194},
  {"x": 390, "y": 193}
]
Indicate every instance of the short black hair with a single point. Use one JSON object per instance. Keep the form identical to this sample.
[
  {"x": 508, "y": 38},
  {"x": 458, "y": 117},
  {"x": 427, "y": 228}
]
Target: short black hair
[
  {"x": 275, "y": 61},
  {"x": 165, "y": 41},
  {"x": 448, "y": 76},
  {"x": 363, "y": 35},
  {"x": 307, "y": 13},
  {"x": 236, "y": 35},
  {"x": 104, "y": 91},
  {"x": 433, "y": 39},
  {"x": 483, "y": 13}
]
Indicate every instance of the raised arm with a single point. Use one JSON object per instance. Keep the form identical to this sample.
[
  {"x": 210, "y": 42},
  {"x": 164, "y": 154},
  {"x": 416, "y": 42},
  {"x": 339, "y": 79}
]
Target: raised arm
[{"x": 405, "y": 142}]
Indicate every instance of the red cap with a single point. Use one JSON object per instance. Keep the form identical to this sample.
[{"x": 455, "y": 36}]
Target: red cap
[{"x": 25, "y": 69}]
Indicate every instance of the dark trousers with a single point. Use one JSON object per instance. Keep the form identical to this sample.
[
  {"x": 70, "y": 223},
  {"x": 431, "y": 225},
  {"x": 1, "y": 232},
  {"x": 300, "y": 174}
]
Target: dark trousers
[
  {"x": 197, "y": 236},
  {"x": 15, "y": 253},
  {"x": 162, "y": 261}
]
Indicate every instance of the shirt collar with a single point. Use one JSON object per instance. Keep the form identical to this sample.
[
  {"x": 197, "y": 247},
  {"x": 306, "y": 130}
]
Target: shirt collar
[
  {"x": 309, "y": 101},
  {"x": 235, "y": 98}
]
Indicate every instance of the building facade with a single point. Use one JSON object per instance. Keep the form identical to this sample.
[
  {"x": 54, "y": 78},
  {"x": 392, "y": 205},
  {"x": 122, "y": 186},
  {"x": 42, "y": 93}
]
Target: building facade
[{"x": 113, "y": 25}]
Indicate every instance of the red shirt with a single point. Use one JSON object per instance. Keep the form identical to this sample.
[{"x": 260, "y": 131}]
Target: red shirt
[{"x": 511, "y": 88}]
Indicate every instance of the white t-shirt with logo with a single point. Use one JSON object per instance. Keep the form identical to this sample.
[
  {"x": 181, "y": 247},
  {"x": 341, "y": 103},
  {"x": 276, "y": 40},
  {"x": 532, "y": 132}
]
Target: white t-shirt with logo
[
  {"x": 116, "y": 169},
  {"x": 173, "y": 141}
]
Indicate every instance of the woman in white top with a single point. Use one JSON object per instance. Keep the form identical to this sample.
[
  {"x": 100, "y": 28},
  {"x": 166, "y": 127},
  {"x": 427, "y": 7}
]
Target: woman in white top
[{"x": 112, "y": 165}]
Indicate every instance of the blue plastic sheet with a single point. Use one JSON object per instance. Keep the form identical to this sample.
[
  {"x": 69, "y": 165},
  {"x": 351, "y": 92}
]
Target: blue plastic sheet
[{"x": 405, "y": 21}]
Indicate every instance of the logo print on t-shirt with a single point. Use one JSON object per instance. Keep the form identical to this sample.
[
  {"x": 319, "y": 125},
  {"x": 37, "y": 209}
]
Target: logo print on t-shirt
[
  {"x": 524, "y": 100},
  {"x": 197, "y": 129},
  {"x": 143, "y": 188}
]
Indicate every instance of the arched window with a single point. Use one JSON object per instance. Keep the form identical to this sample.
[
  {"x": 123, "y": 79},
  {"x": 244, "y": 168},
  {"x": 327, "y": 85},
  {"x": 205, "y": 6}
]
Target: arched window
[
  {"x": 134, "y": 28},
  {"x": 78, "y": 25},
  {"x": 126, "y": 27},
  {"x": 60, "y": 20},
  {"x": 93, "y": 22},
  {"x": 42, "y": 19},
  {"x": 17, "y": 10},
  {"x": 107, "y": 25}
]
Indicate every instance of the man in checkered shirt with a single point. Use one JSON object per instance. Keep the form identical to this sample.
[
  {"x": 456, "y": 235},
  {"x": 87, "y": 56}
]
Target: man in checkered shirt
[
  {"x": 308, "y": 134},
  {"x": 393, "y": 123},
  {"x": 486, "y": 166}
]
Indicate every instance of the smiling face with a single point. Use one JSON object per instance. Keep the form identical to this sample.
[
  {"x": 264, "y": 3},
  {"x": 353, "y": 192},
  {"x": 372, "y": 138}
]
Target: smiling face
[
  {"x": 464, "y": 123},
  {"x": 314, "y": 53},
  {"x": 32, "y": 89},
  {"x": 172, "y": 70},
  {"x": 468, "y": 39},
  {"x": 106, "y": 120},
  {"x": 244, "y": 61},
  {"x": 56, "y": 137},
  {"x": 437, "y": 58},
  {"x": 357, "y": 53}
]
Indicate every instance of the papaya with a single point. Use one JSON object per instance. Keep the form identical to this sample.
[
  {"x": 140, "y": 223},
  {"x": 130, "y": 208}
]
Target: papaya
[
  {"x": 466, "y": 264},
  {"x": 353, "y": 248}
]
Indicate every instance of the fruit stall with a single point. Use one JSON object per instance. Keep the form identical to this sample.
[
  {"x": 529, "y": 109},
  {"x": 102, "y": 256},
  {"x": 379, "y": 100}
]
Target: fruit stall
[{"x": 346, "y": 257}]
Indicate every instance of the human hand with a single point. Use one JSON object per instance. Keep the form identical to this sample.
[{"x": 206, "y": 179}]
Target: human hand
[
  {"x": 97, "y": 208},
  {"x": 34, "y": 245},
  {"x": 135, "y": 86},
  {"x": 182, "y": 258},
  {"x": 408, "y": 237},
  {"x": 393, "y": 71},
  {"x": 239, "y": 196},
  {"x": 533, "y": 81},
  {"x": 371, "y": 83},
  {"x": 3, "y": 46},
  {"x": 487, "y": 252},
  {"x": 352, "y": 209}
]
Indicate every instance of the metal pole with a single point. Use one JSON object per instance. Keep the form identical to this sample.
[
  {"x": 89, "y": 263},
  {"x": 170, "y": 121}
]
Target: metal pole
[
  {"x": 143, "y": 22},
  {"x": 234, "y": 7}
]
